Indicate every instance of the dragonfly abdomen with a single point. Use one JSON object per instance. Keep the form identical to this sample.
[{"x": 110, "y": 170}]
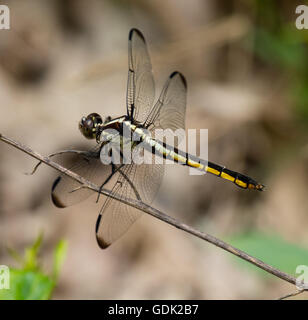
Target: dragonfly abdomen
[
  {"x": 237, "y": 178},
  {"x": 186, "y": 159}
]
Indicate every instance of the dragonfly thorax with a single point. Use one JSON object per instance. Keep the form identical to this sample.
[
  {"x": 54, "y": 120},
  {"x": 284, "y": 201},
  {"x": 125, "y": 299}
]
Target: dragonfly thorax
[{"x": 90, "y": 125}]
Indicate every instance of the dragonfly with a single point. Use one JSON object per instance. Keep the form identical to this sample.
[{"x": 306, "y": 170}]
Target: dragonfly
[{"x": 133, "y": 180}]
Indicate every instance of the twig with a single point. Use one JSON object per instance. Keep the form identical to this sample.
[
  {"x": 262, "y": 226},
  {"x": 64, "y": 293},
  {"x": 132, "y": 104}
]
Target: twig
[
  {"x": 154, "y": 212},
  {"x": 293, "y": 294}
]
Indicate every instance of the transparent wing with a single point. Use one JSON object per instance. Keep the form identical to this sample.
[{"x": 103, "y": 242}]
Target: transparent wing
[
  {"x": 139, "y": 182},
  {"x": 140, "y": 86},
  {"x": 170, "y": 109},
  {"x": 90, "y": 168}
]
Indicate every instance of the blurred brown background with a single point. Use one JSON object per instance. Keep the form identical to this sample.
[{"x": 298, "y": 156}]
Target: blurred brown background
[{"x": 247, "y": 72}]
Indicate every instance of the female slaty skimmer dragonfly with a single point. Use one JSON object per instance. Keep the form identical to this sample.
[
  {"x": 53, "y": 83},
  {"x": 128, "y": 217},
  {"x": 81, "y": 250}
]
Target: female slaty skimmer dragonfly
[{"x": 135, "y": 181}]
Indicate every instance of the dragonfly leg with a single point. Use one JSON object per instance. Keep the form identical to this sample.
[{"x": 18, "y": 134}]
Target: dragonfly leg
[
  {"x": 76, "y": 189},
  {"x": 113, "y": 171},
  {"x": 86, "y": 154}
]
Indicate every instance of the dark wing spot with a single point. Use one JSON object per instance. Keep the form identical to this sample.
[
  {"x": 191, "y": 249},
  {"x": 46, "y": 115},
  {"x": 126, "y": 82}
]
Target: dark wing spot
[
  {"x": 102, "y": 244},
  {"x": 56, "y": 201},
  {"x": 98, "y": 221},
  {"x": 137, "y": 31},
  {"x": 173, "y": 74}
]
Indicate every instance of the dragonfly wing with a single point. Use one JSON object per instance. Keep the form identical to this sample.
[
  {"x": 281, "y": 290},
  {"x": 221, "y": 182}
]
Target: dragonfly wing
[
  {"x": 140, "y": 86},
  {"x": 90, "y": 168},
  {"x": 138, "y": 182},
  {"x": 170, "y": 109}
]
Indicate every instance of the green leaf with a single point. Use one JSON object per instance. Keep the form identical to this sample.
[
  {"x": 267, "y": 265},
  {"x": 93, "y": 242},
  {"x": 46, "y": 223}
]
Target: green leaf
[
  {"x": 27, "y": 285},
  {"x": 286, "y": 49},
  {"x": 59, "y": 256},
  {"x": 271, "y": 249},
  {"x": 30, "y": 283},
  {"x": 31, "y": 254},
  {"x": 16, "y": 256}
]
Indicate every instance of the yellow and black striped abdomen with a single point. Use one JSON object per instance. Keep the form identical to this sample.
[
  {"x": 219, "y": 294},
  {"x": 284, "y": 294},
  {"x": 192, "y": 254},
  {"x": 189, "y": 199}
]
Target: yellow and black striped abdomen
[
  {"x": 239, "y": 179},
  {"x": 186, "y": 159},
  {"x": 189, "y": 160}
]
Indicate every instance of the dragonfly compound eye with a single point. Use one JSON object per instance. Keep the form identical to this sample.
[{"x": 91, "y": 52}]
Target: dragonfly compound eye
[
  {"x": 95, "y": 118},
  {"x": 89, "y": 125}
]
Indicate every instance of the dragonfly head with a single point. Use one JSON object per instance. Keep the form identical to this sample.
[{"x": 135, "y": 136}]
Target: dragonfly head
[{"x": 90, "y": 125}]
